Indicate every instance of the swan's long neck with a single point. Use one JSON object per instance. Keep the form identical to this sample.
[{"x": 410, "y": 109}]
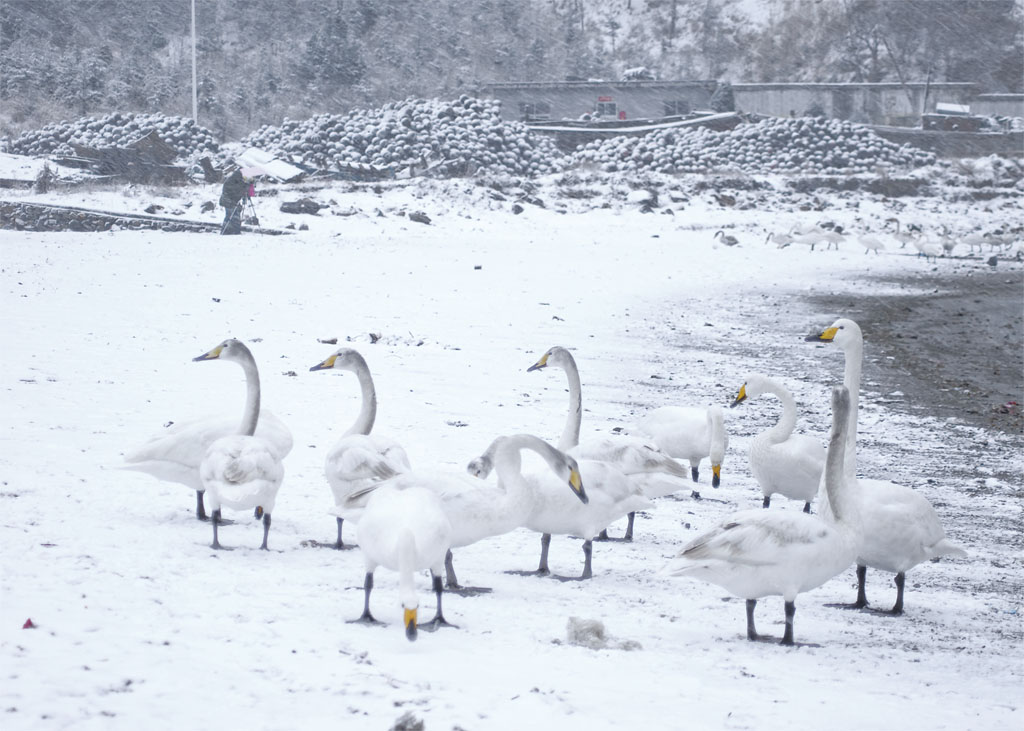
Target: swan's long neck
[
  {"x": 571, "y": 434},
  {"x": 508, "y": 462},
  {"x": 368, "y": 411},
  {"x": 251, "y": 414},
  {"x": 406, "y": 549},
  {"x": 841, "y": 501},
  {"x": 716, "y": 428},
  {"x": 787, "y": 422},
  {"x": 851, "y": 379}
]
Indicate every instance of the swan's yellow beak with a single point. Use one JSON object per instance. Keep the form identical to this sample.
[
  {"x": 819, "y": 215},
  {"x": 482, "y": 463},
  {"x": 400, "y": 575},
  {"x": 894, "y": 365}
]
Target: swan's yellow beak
[
  {"x": 576, "y": 483},
  {"x": 741, "y": 397},
  {"x": 542, "y": 363},
  {"x": 409, "y": 620},
  {"x": 826, "y": 337},
  {"x": 329, "y": 363},
  {"x": 210, "y": 355},
  {"x": 716, "y": 475}
]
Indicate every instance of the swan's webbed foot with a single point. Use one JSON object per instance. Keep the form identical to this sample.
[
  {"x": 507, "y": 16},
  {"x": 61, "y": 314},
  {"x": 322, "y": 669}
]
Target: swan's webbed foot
[
  {"x": 216, "y": 521},
  {"x": 542, "y": 568},
  {"x": 587, "y": 570},
  {"x": 365, "y": 618},
  {"x": 467, "y": 590},
  {"x": 862, "y": 597},
  {"x": 437, "y": 623}
]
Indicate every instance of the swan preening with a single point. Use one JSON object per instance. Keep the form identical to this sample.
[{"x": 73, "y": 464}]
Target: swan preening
[
  {"x": 758, "y": 553},
  {"x": 242, "y": 471},
  {"x": 783, "y": 462},
  {"x": 175, "y": 454},
  {"x": 690, "y": 433},
  {"x": 405, "y": 530},
  {"x": 900, "y": 527},
  {"x": 645, "y": 466},
  {"x": 553, "y": 509},
  {"x": 358, "y": 459}
]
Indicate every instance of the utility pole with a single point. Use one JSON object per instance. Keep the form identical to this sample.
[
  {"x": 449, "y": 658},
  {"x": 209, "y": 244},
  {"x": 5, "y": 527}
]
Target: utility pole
[{"x": 195, "y": 90}]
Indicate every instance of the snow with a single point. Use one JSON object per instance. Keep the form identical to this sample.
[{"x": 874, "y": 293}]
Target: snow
[{"x": 140, "y": 623}]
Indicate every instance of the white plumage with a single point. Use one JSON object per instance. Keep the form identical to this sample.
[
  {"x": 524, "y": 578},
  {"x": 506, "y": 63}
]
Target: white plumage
[
  {"x": 783, "y": 462},
  {"x": 405, "y": 530},
  {"x": 241, "y": 471},
  {"x": 757, "y": 553},
  {"x": 555, "y": 510},
  {"x": 650, "y": 470},
  {"x": 359, "y": 458},
  {"x": 901, "y": 528},
  {"x": 690, "y": 433},
  {"x": 174, "y": 455}
]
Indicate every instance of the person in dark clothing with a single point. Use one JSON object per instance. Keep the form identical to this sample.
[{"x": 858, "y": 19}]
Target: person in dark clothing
[{"x": 233, "y": 196}]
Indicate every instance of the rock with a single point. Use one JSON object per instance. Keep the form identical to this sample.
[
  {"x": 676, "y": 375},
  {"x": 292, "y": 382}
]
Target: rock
[
  {"x": 207, "y": 206},
  {"x": 408, "y": 722},
  {"x": 419, "y": 217},
  {"x": 303, "y": 205},
  {"x": 591, "y": 633}
]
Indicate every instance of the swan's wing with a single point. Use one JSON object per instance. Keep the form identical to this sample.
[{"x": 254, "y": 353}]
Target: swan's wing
[
  {"x": 751, "y": 538},
  {"x": 362, "y": 457},
  {"x": 242, "y": 471},
  {"x": 631, "y": 455}
]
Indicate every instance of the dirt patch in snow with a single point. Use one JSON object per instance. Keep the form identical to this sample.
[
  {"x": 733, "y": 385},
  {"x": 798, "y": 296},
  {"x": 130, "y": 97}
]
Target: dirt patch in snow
[{"x": 952, "y": 353}]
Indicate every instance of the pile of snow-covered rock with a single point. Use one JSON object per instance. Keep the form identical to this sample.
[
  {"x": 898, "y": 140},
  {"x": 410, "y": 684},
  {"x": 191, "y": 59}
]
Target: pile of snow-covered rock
[
  {"x": 773, "y": 145},
  {"x": 455, "y": 137},
  {"x": 116, "y": 130}
]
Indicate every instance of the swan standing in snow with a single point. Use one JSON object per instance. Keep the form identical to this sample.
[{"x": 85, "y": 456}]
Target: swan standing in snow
[
  {"x": 478, "y": 510},
  {"x": 901, "y": 528},
  {"x": 781, "y": 240},
  {"x": 783, "y": 462},
  {"x": 643, "y": 463},
  {"x": 904, "y": 237},
  {"x": 175, "y": 454},
  {"x": 870, "y": 243},
  {"x": 727, "y": 239},
  {"x": 690, "y": 433},
  {"x": 359, "y": 458},
  {"x": 554, "y": 510},
  {"x": 405, "y": 530},
  {"x": 241, "y": 471},
  {"x": 755, "y": 553}
]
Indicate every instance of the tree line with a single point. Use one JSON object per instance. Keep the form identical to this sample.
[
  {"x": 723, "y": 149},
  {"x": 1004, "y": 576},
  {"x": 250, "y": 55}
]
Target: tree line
[{"x": 262, "y": 61}]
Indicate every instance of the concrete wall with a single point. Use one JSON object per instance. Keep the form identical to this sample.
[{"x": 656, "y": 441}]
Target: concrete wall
[
  {"x": 572, "y": 99},
  {"x": 1004, "y": 105},
  {"x": 891, "y": 104}
]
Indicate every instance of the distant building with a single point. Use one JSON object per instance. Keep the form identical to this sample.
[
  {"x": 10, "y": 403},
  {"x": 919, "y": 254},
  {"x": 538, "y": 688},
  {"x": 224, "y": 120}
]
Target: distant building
[
  {"x": 879, "y": 103},
  {"x": 876, "y": 103},
  {"x": 542, "y": 101}
]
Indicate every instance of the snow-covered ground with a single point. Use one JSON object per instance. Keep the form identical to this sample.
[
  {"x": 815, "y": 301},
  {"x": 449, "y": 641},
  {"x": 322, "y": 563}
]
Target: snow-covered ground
[{"x": 139, "y": 623}]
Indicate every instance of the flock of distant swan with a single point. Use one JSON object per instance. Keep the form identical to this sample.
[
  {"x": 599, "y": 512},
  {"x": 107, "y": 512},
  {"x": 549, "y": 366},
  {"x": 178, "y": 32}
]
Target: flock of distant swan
[
  {"x": 828, "y": 234},
  {"x": 410, "y": 521}
]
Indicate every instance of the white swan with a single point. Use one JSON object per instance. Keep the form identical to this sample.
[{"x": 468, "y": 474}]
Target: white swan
[
  {"x": 901, "y": 528},
  {"x": 359, "y": 458},
  {"x": 904, "y": 237},
  {"x": 757, "y": 553},
  {"x": 554, "y": 510},
  {"x": 174, "y": 455},
  {"x": 727, "y": 239},
  {"x": 783, "y": 462},
  {"x": 690, "y": 433},
  {"x": 653, "y": 472},
  {"x": 241, "y": 471},
  {"x": 478, "y": 510},
  {"x": 870, "y": 243},
  {"x": 405, "y": 530}
]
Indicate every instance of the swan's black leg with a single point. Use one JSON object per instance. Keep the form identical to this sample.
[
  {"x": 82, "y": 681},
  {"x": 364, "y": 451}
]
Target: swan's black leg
[
  {"x": 862, "y": 596},
  {"x": 200, "y": 508},
  {"x": 787, "y": 638},
  {"x": 366, "y": 617},
  {"x": 751, "y": 631},
  {"x": 588, "y": 549},
  {"x": 807, "y": 508},
  {"x": 545, "y": 543},
  {"x": 695, "y": 473},
  {"x": 438, "y": 620},
  {"x": 266, "y": 530},
  {"x": 767, "y": 501},
  {"x": 603, "y": 536},
  {"x": 340, "y": 544},
  {"x": 629, "y": 527},
  {"x": 449, "y": 571},
  {"x": 215, "y": 519},
  {"x": 897, "y": 608}
]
